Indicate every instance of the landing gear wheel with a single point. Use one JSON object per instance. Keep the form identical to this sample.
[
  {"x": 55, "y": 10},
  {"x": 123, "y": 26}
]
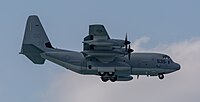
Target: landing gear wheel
[
  {"x": 110, "y": 73},
  {"x": 161, "y": 76},
  {"x": 102, "y": 73},
  {"x": 104, "y": 79},
  {"x": 113, "y": 79}
]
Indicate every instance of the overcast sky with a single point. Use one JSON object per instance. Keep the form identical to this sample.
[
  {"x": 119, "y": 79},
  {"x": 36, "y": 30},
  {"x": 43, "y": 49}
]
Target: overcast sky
[{"x": 167, "y": 26}]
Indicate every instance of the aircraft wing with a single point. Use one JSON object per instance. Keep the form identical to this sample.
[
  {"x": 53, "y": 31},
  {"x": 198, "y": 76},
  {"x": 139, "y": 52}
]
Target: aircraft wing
[
  {"x": 98, "y": 32},
  {"x": 99, "y": 45}
]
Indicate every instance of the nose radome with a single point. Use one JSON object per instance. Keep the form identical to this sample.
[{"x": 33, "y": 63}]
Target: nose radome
[{"x": 178, "y": 67}]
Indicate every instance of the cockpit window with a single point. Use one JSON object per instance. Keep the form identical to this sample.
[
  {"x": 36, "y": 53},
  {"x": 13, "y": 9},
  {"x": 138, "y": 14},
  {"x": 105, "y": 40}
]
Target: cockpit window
[{"x": 166, "y": 57}]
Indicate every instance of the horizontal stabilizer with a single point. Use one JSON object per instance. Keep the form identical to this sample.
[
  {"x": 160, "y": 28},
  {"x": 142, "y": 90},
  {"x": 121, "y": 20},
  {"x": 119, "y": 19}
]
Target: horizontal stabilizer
[{"x": 33, "y": 53}]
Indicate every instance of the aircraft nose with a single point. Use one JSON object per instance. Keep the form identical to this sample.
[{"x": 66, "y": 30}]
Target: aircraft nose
[{"x": 177, "y": 66}]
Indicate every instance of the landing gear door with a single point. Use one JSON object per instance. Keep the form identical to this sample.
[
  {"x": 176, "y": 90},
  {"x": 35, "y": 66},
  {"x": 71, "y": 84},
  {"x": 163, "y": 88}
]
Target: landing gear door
[{"x": 106, "y": 69}]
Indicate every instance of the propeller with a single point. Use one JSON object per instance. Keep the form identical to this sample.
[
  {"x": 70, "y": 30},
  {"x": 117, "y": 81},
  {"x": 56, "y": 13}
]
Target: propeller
[
  {"x": 128, "y": 47},
  {"x": 129, "y": 51},
  {"x": 126, "y": 42}
]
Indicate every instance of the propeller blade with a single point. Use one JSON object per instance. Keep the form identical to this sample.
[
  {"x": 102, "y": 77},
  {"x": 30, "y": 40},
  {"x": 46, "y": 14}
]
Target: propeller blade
[
  {"x": 126, "y": 47},
  {"x": 126, "y": 37},
  {"x": 125, "y": 42},
  {"x": 129, "y": 56},
  {"x": 129, "y": 51}
]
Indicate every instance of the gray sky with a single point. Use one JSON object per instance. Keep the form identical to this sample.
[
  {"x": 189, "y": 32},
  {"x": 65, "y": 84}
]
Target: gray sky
[{"x": 170, "y": 27}]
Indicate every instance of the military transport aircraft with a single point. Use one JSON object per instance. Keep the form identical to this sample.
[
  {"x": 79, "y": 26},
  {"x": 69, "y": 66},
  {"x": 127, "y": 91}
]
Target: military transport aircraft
[{"x": 111, "y": 59}]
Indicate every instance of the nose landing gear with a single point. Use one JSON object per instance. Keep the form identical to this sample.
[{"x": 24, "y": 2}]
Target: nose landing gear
[{"x": 161, "y": 76}]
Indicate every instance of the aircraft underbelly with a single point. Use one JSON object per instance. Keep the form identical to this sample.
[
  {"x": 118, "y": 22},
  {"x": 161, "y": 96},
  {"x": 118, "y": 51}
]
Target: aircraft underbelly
[
  {"x": 150, "y": 71},
  {"x": 117, "y": 67}
]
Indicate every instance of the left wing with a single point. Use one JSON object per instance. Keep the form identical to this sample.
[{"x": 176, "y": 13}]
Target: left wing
[
  {"x": 99, "y": 45},
  {"x": 98, "y": 32}
]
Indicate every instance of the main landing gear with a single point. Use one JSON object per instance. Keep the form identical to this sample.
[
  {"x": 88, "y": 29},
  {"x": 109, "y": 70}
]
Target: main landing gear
[
  {"x": 104, "y": 79},
  {"x": 105, "y": 76},
  {"x": 112, "y": 79}
]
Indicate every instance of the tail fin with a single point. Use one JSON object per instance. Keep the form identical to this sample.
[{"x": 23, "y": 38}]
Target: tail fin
[{"x": 35, "y": 40}]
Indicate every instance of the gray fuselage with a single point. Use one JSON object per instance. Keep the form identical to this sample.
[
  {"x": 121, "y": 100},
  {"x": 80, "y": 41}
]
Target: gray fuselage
[{"x": 151, "y": 64}]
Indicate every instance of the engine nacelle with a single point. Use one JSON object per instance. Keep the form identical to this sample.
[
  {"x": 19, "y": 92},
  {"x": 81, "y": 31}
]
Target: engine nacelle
[{"x": 124, "y": 78}]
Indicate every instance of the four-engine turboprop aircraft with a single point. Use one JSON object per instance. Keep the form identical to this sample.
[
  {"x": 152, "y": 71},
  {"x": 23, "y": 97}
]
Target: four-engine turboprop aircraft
[{"x": 111, "y": 59}]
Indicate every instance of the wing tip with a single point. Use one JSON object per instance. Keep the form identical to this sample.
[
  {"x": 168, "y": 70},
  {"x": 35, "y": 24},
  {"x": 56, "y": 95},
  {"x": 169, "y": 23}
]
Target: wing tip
[
  {"x": 96, "y": 25},
  {"x": 33, "y": 17}
]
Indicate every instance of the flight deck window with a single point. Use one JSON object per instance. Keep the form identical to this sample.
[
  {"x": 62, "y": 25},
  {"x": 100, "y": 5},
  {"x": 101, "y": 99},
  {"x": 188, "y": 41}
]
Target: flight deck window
[
  {"x": 161, "y": 61},
  {"x": 169, "y": 60},
  {"x": 166, "y": 57}
]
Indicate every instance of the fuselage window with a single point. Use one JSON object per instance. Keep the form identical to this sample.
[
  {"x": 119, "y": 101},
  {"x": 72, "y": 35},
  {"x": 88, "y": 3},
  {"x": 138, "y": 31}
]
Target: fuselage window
[{"x": 90, "y": 66}]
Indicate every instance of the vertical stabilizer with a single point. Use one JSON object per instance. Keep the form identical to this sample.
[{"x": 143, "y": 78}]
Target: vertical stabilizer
[{"x": 35, "y": 40}]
